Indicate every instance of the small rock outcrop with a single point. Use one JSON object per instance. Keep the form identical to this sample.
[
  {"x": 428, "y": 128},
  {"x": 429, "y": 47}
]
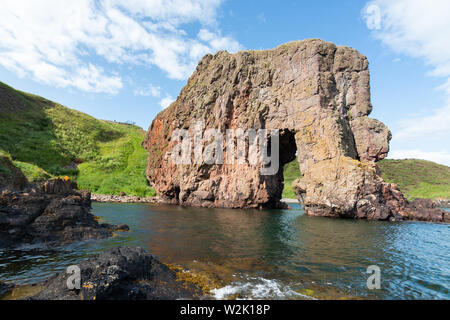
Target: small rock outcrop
[
  {"x": 54, "y": 212},
  {"x": 120, "y": 274},
  {"x": 317, "y": 96},
  {"x": 426, "y": 210}
]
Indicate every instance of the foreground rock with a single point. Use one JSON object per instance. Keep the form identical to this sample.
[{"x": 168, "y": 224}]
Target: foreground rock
[
  {"x": 5, "y": 288},
  {"x": 317, "y": 95},
  {"x": 426, "y": 210},
  {"x": 53, "y": 212},
  {"x": 120, "y": 274}
]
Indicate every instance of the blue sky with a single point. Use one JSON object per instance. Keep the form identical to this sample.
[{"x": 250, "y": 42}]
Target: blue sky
[{"x": 126, "y": 60}]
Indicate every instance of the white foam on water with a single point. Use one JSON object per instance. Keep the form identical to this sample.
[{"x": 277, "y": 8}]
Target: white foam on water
[{"x": 258, "y": 288}]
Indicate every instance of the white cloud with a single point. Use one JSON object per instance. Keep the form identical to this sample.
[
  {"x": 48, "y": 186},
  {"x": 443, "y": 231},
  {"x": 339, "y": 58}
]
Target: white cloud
[
  {"x": 438, "y": 157},
  {"x": 372, "y": 14},
  {"x": 419, "y": 29},
  {"x": 166, "y": 102},
  {"x": 64, "y": 43},
  {"x": 434, "y": 126},
  {"x": 149, "y": 91}
]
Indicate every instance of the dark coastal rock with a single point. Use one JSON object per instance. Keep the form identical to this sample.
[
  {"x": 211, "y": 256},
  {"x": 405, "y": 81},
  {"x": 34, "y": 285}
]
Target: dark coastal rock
[
  {"x": 317, "y": 95},
  {"x": 5, "y": 288},
  {"x": 54, "y": 212},
  {"x": 120, "y": 274},
  {"x": 425, "y": 210}
]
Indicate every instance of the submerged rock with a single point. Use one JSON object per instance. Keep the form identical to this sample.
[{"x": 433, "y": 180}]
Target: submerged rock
[
  {"x": 120, "y": 274},
  {"x": 317, "y": 96},
  {"x": 426, "y": 210},
  {"x": 54, "y": 212}
]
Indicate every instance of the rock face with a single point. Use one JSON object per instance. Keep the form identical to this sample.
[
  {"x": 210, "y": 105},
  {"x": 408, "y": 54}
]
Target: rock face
[
  {"x": 317, "y": 95},
  {"x": 119, "y": 274},
  {"x": 54, "y": 212}
]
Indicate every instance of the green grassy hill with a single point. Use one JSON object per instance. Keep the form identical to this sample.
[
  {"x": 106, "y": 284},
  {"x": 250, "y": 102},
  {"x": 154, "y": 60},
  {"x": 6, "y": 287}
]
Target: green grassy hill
[
  {"x": 44, "y": 139},
  {"x": 415, "y": 178},
  {"x": 291, "y": 172},
  {"x": 418, "y": 178}
]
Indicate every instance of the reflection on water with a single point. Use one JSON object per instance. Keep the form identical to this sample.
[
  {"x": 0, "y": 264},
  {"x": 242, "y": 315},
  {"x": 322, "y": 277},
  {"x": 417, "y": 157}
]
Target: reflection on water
[{"x": 266, "y": 254}]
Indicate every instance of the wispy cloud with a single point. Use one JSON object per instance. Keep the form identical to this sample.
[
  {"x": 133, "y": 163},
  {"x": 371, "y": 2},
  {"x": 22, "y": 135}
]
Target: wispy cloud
[
  {"x": 166, "y": 102},
  {"x": 261, "y": 17},
  {"x": 418, "y": 29},
  {"x": 64, "y": 43},
  {"x": 439, "y": 157},
  {"x": 433, "y": 126},
  {"x": 149, "y": 91}
]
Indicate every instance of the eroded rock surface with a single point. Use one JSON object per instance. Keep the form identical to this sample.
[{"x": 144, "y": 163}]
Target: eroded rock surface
[
  {"x": 53, "y": 212},
  {"x": 120, "y": 274},
  {"x": 318, "y": 96}
]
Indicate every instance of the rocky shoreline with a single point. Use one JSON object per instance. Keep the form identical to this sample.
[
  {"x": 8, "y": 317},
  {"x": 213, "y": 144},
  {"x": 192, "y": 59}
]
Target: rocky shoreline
[
  {"x": 442, "y": 203},
  {"x": 55, "y": 212},
  {"x": 123, "y": 199}
]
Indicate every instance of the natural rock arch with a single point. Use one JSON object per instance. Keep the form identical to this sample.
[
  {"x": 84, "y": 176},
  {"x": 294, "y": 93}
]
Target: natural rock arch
[{"x": 318, "y": 96}]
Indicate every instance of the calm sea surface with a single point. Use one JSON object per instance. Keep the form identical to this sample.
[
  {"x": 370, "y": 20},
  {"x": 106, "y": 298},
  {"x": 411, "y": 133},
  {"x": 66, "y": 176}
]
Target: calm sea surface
[{"x": 273, "y": 254}]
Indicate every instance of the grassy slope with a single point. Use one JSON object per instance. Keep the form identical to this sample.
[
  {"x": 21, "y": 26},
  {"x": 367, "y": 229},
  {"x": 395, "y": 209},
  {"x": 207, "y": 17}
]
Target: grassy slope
[
  {"x": 415, "y": 178},
  {"x": 43, "y": 138},
  {"x": 418, "y": 178},
  {"x": 291, "y": 172}
]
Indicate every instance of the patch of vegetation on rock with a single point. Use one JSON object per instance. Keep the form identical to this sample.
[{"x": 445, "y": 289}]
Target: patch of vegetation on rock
[{"x": 199, "y": 280}]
